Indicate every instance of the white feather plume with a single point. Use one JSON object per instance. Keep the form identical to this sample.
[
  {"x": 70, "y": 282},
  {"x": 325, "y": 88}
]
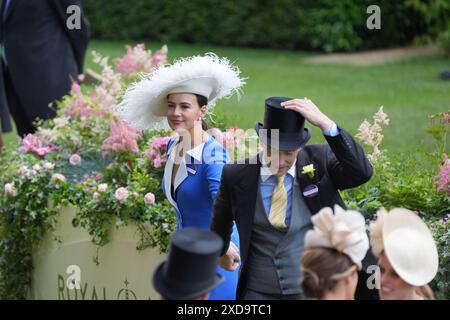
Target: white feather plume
[{"x": 142, "y": 99}]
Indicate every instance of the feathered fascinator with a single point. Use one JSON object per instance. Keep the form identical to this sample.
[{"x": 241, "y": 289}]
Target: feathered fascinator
[
  {"x": 144, "y": 104},
  {"x": 344, "y": 231}
]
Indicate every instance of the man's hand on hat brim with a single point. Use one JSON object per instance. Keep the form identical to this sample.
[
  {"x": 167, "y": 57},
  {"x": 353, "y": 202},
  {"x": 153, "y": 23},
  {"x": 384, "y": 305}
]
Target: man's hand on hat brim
[{"x": 310, "y": 112}]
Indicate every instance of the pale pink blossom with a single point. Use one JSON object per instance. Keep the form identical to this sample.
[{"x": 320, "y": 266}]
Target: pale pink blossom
[
  {"x": 371, "y": 134},
  {"x": 61, "y": 122},
  {"x": 157, "y": 162},
  {"x": 10, "y": 190},
  {"x": 149, "y": 198},
  {"x": 23, "y": 172},
  {"x": 121, "y": 194},
  {"x": 49, "y": 166},
  {"x": 34, "y": 145},
  {"x": 96, "y": 195},
  {"x": 444, "y": 175},
  {"x": 75, "y": 160},
  {"x": 102, "y": 187},
  {"x": 108, "y": 92},
  {"x": 137, "y": 59},
  {"x": 122, "y": 138},
  {"x": 57, "y": 177},
  {"x": 381, "y": 117}
]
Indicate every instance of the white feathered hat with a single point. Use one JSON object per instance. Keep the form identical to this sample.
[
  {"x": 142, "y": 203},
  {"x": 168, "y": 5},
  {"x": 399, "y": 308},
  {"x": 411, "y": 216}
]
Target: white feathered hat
[
  {"x": 144, "y": 104},
  {"x": 407, "y": 243},
  {"x": 344, "y": 231}
]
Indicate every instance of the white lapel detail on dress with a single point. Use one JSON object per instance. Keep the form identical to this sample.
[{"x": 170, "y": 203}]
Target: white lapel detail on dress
[{"x": 168, "y": 173}]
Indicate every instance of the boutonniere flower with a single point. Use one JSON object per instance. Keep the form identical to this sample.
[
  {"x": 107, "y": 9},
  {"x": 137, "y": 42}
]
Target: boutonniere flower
[{"x": 309, "y": 170}]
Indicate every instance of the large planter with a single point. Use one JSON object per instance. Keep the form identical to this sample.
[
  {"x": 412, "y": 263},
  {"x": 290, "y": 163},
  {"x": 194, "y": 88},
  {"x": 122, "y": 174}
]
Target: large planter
[{"x": 122, "y": 272}]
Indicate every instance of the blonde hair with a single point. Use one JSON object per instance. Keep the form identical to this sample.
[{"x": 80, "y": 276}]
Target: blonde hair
[
  {"x": 425, "y": 292},
  {"x": 322, "y": 269}
]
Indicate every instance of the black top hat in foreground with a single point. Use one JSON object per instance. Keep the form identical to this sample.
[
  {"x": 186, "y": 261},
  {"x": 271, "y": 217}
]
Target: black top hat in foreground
[
  {"x": 291, "y": 126},
  {"x": 190, "y": 269}
]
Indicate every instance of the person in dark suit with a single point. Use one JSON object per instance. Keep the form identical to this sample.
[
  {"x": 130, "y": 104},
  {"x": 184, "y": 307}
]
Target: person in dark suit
[
  {"x": 272, "y": 197},
  {"x": 189, "y": 273},
  {"x": 42, "y": 50}
]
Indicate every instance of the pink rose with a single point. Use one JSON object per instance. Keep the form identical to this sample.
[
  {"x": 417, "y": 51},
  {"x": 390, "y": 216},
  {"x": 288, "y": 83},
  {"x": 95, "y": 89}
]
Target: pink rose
[
  {"x": 102, "y": 187},
  {"x": 49, "y": 166},
  {"x": 121, "y": 194},
  {"x": 23, "y": 172},
  {"x": 58, "y": 177},
  {"x": 10, "y": 190},
  {"x": 75, "y": 160},
  {"x": 149, "y": 198}
]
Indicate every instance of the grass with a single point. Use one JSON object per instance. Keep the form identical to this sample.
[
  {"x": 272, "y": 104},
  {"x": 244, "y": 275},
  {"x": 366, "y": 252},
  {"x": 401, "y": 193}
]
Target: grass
[{"x": 409, "y": 90}]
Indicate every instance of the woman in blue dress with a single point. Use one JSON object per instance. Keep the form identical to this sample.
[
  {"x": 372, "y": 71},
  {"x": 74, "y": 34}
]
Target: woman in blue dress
[{"x": 183, "y": 94}]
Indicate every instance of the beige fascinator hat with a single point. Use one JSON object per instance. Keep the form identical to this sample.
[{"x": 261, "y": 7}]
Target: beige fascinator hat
[
  {"x": 407, "y": 243},
  {"x": 144, "y": 104},
  {"x": 344, "y": 231}
]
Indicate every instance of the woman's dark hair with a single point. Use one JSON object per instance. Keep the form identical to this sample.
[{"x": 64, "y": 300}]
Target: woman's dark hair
[{"x": 202, "y": 101}]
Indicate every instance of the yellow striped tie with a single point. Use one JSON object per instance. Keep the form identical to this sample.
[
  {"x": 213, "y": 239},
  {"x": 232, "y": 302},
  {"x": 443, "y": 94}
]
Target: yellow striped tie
[{"x": 277, "y": 215}]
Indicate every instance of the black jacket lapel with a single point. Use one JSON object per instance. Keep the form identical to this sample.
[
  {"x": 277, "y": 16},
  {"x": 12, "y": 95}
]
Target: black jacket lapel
[{"x": 314, "y": 203}]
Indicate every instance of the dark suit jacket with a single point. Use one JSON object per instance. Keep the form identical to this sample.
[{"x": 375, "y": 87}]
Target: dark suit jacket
[
  {"x": 339, "y": 165},
  {"x": 42, "y": 53}
]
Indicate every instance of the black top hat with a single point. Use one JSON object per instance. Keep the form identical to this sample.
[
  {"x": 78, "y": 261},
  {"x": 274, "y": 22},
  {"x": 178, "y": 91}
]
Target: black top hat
[
  {"x": 291, "y": 125},
  {"x": 190, "y": 269}
]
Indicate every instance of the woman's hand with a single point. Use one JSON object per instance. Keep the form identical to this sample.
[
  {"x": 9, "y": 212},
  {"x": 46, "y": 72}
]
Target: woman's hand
[
  {"x": 230, "y": 260},
  {"x": 310, "y": 112}
]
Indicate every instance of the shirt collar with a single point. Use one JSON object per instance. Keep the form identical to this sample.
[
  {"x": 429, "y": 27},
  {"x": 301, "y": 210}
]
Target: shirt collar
[{"x": 265, "y": 172}]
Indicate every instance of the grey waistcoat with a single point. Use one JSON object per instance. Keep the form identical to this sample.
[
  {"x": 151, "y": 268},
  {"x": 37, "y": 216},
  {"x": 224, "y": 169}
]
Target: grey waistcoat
[{"x": 274, "y": 257}]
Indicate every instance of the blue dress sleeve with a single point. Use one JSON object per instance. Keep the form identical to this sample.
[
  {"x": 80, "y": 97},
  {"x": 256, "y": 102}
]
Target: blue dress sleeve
[{"x": 215, "y": 160}]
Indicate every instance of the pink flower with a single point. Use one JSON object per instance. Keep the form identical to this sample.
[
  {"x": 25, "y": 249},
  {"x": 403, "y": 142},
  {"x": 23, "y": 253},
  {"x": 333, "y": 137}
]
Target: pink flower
[
  {"x": 447, "y": 117},
  {"x": 371, "y": 134},
  {"x": 444, "y": 175},
  {"x": 160, "y": 57},
  {"x": 23, "y": 172},
  {"x": 11, "y": 190},
  {"x": 121, "y": 194},
  {"x": 381, "y": 117},
  {"x": 160, "y": 142},
  {"x": 149, "y": 198},
  {"x": 127, "y": 64},
  {"x": 75, "y": 160},
  {"x": 76, "y": 88},
  {"x": 49, "y": 166},
  {"x": 138, "y": 59},
  {"x": 102, "y": 187},
  {"x": 96, "y": 195},
  {"x": 157, "y": 162},
  {"x": 122, "y": 138},
  {"x": 34, "y": 145},
  {"x": 57, "y": 177},
  {"x": 151, "y": 153}
]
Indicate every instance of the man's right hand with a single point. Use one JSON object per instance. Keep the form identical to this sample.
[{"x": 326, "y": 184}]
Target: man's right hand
[{"x": 230, "y": 260}]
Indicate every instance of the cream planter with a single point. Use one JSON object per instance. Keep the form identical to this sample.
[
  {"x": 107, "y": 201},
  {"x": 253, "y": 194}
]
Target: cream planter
[{"x": 67, "y": 271}]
